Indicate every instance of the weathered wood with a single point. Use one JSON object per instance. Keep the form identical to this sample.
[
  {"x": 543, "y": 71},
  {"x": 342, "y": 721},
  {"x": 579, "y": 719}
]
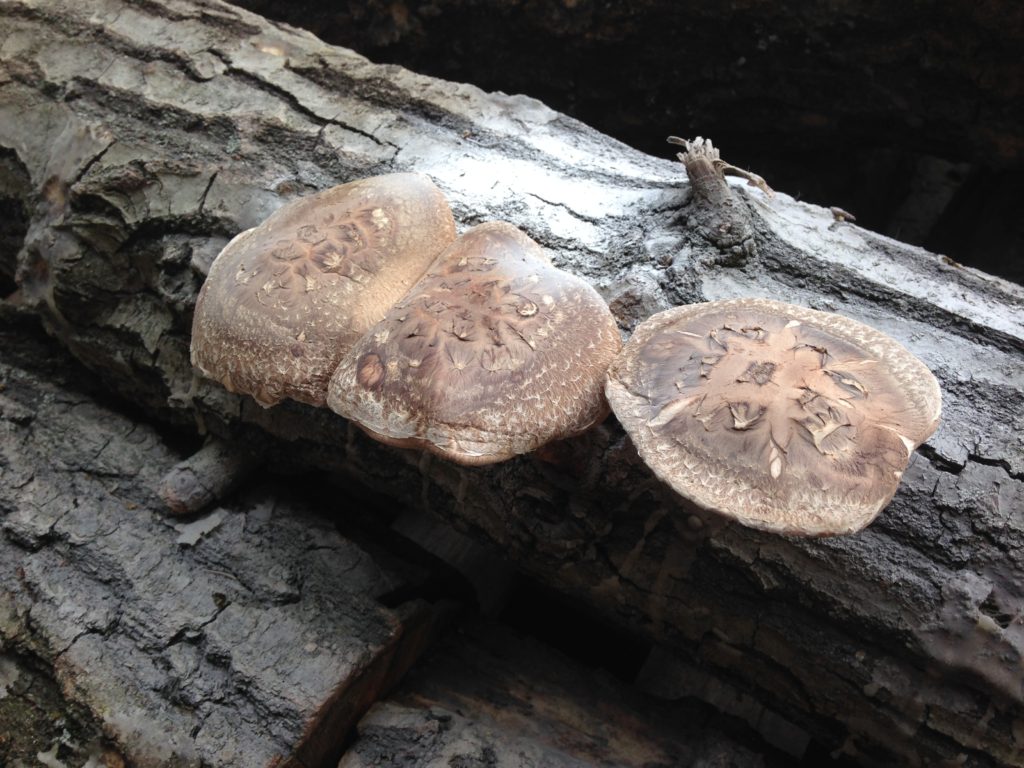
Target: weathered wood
[
  {"x": 151, "y": 133},
  {"x": 885, "y": 111},
  {"x": 487, "y": 697},
  {"x": 251, "y": 636}
]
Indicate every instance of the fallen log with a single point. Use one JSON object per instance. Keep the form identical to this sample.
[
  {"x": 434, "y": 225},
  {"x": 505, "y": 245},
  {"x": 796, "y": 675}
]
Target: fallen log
[
  {"x": 136, "y": 139},
  {"x": 257, "y": 634}
]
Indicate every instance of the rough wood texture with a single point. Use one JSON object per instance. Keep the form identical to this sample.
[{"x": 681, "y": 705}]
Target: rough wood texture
[
  {"x": 489, "y": 698},
  {"x": 141, "y": 136},
  {"x": 910, "y": 120},
  {"x": 251, "y": 636}
]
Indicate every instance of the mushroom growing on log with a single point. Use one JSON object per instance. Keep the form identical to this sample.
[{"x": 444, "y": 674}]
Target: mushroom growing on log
[
  {"x": 285, "y": 300},
  {"x": 493, "y": 353},
  {"x": 784, "y": 418},
  {"x": 901, "y": 645}
]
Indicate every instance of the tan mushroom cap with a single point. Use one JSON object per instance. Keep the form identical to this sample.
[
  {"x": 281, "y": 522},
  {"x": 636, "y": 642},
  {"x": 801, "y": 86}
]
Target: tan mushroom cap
[
  {"x": 784, "y": 418},
  {"x": 285, "y": 300},
  {"x": 492, "y": 354}
]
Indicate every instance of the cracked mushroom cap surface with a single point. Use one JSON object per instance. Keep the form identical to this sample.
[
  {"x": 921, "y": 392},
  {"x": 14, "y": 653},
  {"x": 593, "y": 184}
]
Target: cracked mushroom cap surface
[
  {"x": 285, "y": 300},
  {"x": 493, "y": 353},
  {"x": 786, "y": 419}
]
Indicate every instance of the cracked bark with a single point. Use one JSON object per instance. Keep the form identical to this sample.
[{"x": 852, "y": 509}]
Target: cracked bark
[
  {"x": 138, "y": 138},
  {"x": 256, "y": 639}
]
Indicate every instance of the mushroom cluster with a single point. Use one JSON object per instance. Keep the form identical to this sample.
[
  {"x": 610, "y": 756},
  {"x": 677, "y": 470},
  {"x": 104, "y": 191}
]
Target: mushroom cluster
[
  {"x": 477, "y": 349},
  {"x": 361, "y": 298}
]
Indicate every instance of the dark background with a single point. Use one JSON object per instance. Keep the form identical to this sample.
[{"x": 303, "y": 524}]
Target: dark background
[{"x": 910, "y": 115}]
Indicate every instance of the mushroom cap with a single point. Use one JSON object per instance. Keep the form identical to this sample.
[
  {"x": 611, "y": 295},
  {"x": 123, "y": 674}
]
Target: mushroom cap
[
  {"x": 492, "y": 354},
  {"x": 285, "y": 300},
  {"x": 784, "y": 418}
]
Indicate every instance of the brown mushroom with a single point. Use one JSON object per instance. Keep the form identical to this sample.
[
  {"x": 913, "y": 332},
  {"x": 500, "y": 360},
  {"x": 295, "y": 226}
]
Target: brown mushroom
[
  {"x": 784, "y": 418},
  {"x": 285, "y": 300},
  {"x": 492, "y": 354}
]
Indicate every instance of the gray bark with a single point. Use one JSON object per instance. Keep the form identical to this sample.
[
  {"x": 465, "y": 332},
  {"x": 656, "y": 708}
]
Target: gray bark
[
  {"x": 256, "y": 634},
  {"x": 252, "y": 636},
  {"x": 142, "y": 136}
]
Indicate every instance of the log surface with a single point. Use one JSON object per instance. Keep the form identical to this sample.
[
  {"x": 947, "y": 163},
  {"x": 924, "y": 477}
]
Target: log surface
[
  {"x": 137, "y": 138},
  {"x": 253, "y": 635}
]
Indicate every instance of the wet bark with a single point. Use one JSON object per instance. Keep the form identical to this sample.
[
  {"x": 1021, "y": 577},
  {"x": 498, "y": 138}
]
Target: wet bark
[
  {"x": 136, "y": 139},
  {"x": 910, "y": 120}
]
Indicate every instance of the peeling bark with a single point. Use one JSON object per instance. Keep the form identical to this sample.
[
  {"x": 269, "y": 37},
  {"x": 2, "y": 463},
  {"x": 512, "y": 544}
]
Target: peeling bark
[{"x": 151, "y": 133}]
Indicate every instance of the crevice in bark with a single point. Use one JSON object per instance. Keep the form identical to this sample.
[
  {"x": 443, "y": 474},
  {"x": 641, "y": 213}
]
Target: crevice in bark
[
  {"x": 15, "y": 194},
  {"x": 787, "y": 265},
  {"x": 29, "y": 699},
  {"x": 574, "y": 630}
]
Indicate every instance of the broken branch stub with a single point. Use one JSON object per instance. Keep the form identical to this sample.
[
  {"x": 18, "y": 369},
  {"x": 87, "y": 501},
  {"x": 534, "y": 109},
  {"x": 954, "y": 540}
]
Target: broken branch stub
[
  {"x": 206, "y": 476},
  {"x": 703, "y": 162}
]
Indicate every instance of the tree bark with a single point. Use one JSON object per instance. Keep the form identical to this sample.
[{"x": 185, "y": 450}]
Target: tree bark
[
  {"x": 255, "y": 635},
  {"x": 137, "y": 138}
]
